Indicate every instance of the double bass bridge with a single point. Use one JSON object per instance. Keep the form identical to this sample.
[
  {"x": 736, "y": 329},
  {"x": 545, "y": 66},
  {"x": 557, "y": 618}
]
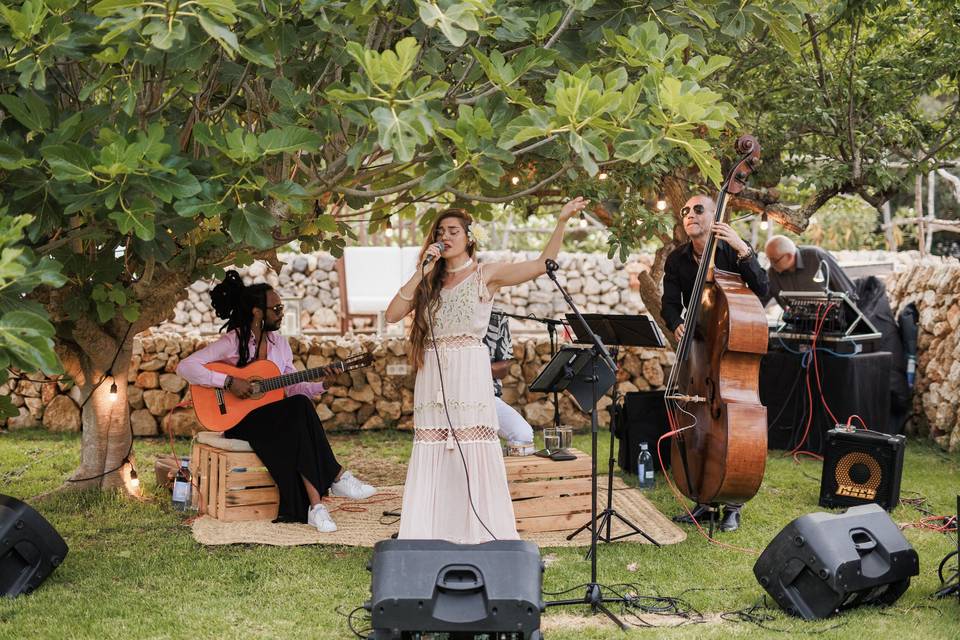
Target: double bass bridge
[{"x": 678, "y": 397}]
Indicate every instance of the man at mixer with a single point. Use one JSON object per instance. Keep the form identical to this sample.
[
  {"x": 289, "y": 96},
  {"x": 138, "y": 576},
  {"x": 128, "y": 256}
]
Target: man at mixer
[
  {"x": 680, "y": 274},
  {"x": 794, "y": 268}
]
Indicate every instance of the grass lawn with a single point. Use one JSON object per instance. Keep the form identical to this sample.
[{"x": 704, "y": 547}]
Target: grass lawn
[{"x": 135, "y": 572}]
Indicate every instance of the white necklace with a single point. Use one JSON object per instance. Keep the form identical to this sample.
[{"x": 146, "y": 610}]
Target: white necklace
[{"x": 461, "y": 267}]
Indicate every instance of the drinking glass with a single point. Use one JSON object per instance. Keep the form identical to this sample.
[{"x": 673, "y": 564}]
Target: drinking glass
[{"x": 551, "y": 439}]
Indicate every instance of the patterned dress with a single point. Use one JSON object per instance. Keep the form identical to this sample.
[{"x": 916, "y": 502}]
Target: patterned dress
[{"x": 436, "y": 503}]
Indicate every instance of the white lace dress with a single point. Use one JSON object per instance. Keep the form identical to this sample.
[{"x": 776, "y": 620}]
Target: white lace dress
[{"x": 435, "y": 498}]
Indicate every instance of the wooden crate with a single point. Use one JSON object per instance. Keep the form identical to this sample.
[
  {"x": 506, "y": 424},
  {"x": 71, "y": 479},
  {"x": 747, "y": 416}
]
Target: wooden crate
[
  {"x": 233, "y": 485},
  {"x": 549, "y": 495}
]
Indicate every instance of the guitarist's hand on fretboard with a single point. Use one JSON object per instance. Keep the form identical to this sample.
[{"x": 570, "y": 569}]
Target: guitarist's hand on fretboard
[{"x": 240, "y": 387}]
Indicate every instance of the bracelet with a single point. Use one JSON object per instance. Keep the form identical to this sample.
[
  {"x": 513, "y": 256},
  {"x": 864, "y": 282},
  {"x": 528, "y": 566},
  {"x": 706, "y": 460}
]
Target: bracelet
[{"x": 403, "y": 297}]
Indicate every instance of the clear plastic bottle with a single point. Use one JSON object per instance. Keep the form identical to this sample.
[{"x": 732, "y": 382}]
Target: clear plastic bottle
[
  {"x": 181, "y": 486},
  {"x": 645, "y": 467}
]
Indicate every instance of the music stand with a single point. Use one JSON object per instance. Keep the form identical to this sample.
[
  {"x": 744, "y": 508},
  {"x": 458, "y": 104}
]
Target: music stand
[
  {"x": 593, "y": 595},
  {"x": 569, "y": 371},
  {"x": 626, "y": 331}
]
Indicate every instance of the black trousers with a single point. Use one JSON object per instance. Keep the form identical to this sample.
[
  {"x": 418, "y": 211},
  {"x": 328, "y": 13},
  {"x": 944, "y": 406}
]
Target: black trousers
[{"x": 288, "y": 437}]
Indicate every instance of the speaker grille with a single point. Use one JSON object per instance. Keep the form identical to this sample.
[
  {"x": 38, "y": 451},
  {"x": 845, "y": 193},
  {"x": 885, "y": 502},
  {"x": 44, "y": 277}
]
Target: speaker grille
[{"x": 858, "y": 475}]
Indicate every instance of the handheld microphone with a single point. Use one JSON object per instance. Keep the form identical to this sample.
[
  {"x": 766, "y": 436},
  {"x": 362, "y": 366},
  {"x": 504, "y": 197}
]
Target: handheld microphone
[{"x": 440, "y": 247}]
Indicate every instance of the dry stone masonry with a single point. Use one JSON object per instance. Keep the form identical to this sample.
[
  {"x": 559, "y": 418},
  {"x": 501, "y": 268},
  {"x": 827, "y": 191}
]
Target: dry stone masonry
[
  {"x": 933, "y": 284},
  {"x": 380, "y": 396}
]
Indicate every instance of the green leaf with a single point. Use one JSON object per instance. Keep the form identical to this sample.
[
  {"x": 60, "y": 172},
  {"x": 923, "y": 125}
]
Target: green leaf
[
  {"x": 105, "y": 8},
  {"x": 641, "y": 145},
  {"x": 167, "y": 186},
  {"x": 193, "y": 207},
  {"x": 288, "y": 140},
  {"x": 69, "y": 161},
  {"x": 12, "y": 158},
  {"x": 137, "y": 218},
  {"x": 257, "y": 57},
  {"x": 220, "y": 33},
  {"x": 440, "y": 172},
  {"x": 400, "y": 132},
  {"x": 27, "y": 338},
  {"x": 28, "y": 109},
  {"x": 252, "y": 225}
]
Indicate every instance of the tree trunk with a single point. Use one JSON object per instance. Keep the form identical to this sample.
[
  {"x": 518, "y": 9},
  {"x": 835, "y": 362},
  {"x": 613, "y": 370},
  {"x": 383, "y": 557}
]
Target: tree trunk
[
  {"x": 106, "y": 439},
  {"x": 106, "y": 443}
]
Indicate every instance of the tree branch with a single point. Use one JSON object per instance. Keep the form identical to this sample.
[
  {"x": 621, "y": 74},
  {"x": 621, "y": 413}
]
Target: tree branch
[
  {"x": 519, "y": 194},
  {"x": 376, "y": 193},
  {"x": 560, "y": 28}
]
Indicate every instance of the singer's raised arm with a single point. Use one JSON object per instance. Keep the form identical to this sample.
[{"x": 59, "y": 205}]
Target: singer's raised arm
[
  {"x": 402, "y": 302},
  {"x": 504, "y": 274}
]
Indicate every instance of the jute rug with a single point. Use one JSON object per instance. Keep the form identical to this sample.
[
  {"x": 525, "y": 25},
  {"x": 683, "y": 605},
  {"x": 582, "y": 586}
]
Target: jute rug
[{"x": 363, "y": 523}]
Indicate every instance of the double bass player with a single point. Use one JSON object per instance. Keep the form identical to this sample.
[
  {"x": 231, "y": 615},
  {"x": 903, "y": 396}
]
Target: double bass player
[{"x": 680, "y": 273}]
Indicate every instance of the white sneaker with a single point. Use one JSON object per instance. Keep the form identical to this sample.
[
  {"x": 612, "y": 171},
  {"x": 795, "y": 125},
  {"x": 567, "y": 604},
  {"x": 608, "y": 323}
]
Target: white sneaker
[
  {"x": 319, "y": 517},
  {"x": 349, "y": 487}
]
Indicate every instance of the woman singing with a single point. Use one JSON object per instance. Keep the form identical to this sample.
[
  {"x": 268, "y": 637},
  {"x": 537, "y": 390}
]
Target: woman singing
[{"x": 454, "y": 416}]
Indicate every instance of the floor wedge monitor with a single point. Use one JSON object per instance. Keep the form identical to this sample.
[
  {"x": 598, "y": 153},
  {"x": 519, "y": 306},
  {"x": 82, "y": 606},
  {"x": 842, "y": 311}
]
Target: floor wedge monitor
[
  {"x": 30, "y": 548},
  {"x": 822, "y": 563},
  {"x": 489, "y": 590}
]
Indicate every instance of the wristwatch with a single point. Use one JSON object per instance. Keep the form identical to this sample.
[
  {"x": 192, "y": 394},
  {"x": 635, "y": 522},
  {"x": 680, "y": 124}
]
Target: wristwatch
[
  {"x": 746, "y": 256},
  {"x": 227, "y": 382}
]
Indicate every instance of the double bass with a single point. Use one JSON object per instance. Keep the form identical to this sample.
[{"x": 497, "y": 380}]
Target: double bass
[{"x": 719, "y": 450}]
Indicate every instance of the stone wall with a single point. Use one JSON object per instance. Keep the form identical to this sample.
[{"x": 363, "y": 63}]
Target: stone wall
[
  {"x": 933, "y": 285},
  {"x": 597, "y": 284},
  {"x": 380, "y": 396}
]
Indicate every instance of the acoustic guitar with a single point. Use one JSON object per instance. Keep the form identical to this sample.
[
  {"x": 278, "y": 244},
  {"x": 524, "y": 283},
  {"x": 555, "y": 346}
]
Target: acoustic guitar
[{"x": 219, "y": 410}]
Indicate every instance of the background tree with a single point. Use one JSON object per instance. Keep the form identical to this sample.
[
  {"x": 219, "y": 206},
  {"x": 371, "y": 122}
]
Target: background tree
[
  {"x": 154, "y": 142},
  {"x": 866, "y": 99}
]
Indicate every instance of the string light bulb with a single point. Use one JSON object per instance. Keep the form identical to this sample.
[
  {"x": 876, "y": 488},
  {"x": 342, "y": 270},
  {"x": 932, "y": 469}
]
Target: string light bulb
[
  {"x": 602, "y": 176},
  {"x": 113, "y": 384},
  {"x": 134, "y": 479},
  {"x": 764, "y": 225},
  {"x": 661, "y": 205}
]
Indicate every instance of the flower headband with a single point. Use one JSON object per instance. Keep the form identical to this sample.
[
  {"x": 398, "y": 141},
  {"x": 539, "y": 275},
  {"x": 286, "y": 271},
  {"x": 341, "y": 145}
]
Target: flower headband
[{"x": 476, "y": 233}]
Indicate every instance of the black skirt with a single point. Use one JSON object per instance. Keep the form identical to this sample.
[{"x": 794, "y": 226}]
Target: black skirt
[{"x": 288, "y": 437}]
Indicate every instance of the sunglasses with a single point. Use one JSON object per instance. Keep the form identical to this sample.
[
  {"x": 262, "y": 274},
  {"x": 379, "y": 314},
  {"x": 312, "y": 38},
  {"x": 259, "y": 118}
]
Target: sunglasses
[
  {"x": 277, "y": 308},
  {"x": 697, "y": 209}
]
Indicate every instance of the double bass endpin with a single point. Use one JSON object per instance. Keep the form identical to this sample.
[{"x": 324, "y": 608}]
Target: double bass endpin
[{"x": 684, "y": 398}]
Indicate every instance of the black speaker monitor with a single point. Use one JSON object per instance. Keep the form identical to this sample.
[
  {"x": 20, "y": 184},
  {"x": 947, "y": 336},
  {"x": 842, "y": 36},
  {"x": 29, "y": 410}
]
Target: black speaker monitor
[
  {"x": 481, "y": 590},
  {"x": 642, "y": 418},
  {"x": 30, "y": 548},
  {"x": 822, "y": 563}
]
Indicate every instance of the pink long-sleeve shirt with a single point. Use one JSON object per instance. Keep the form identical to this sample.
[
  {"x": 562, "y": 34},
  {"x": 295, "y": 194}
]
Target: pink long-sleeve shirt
[{"x": 226, "y": 349}]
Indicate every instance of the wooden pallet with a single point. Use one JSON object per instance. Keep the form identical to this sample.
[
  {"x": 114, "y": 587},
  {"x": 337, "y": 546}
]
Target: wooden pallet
[
  {"x": 549, "y": 495},
  {"x": 233, "y": 485}
]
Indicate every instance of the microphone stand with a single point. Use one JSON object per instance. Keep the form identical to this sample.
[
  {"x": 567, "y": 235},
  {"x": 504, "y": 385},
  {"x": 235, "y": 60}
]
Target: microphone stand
[
  {"x": 552, "y": 332},
  {"x": 594, "y": 593}
]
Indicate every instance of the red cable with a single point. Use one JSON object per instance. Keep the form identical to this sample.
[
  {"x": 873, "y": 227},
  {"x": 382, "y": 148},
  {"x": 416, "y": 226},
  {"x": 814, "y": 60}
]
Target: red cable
[
  {"x": 850, "y": 422},
  {"x": 816, "y": 366}
]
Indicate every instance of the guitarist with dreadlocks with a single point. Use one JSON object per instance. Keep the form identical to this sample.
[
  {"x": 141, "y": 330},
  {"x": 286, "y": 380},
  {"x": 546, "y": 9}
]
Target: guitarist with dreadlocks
[{"x": 287, "y": 434}]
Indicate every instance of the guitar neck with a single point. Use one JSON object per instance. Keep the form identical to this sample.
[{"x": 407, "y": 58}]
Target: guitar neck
[{"x": 287, "y": 379}]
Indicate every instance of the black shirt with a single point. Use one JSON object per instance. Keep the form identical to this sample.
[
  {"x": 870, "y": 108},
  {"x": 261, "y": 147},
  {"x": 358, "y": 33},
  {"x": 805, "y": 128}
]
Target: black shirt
[
  {"x": 801, "y": 277},
  {"x": 680, "y": 273}
]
